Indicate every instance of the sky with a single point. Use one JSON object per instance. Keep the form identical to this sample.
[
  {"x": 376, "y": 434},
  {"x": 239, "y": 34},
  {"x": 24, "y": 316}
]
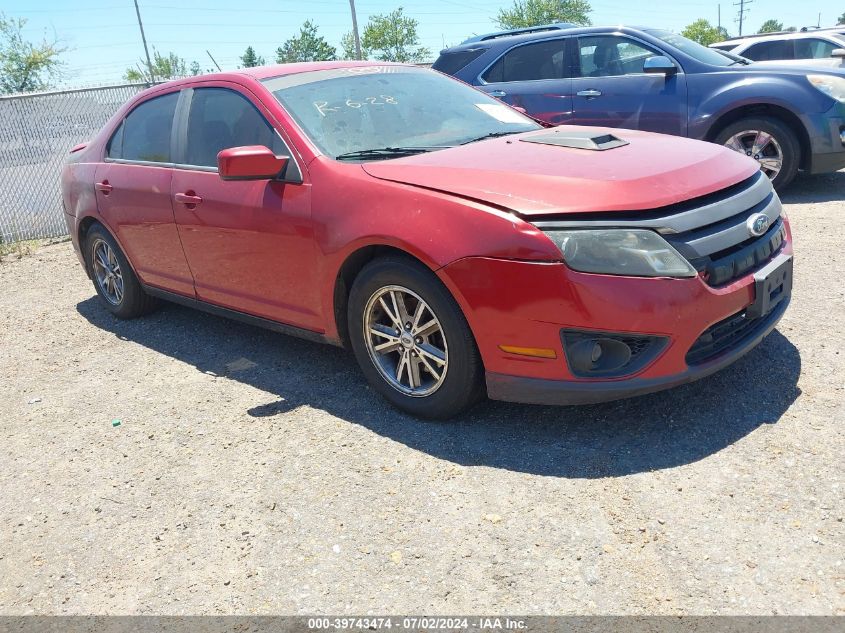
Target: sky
[{"x": 103, "y": 39}]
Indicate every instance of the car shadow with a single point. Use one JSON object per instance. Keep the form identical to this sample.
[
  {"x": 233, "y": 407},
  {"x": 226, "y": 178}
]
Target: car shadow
[
  {"x": 814, "y": 189},
  {"x": 643, "y": 434}
]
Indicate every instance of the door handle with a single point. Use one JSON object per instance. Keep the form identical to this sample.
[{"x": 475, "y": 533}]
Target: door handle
[
  {"x": 590, "y": 94},
  {"x": 189, "y": 198},
  {"x": 497, "y": 93},
  {"x": 104, "y": 187}
]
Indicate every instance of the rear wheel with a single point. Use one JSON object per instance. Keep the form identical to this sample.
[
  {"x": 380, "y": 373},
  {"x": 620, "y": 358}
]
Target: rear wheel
[
  {"x": 770, "y": 142},
  {"x": 412, "y": 341},
  {"x": 114, "y": 280}
]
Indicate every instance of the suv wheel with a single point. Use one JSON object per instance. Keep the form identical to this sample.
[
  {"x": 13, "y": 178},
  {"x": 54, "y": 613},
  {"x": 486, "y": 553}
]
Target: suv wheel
[
  {"x": 768, "y": 141},
  {"x": 113, "y": 278},
  {"x": 412, "y": 340}
]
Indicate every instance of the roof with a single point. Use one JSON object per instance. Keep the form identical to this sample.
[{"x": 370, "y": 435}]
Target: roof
[
  {"x": 836, "y": 33},
  {"x": 277, "y": 70}
]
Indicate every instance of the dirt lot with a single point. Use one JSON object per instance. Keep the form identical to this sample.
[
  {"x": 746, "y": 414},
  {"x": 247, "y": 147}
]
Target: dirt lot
[{"x": 255, "y": 473}]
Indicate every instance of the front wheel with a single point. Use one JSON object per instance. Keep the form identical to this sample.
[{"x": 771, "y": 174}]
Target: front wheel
[
  {"x": 412, "y": 340},
  {"x": 768, "y": 141}
]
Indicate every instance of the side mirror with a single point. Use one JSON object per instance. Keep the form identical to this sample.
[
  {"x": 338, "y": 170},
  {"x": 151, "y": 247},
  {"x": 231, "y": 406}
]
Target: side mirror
[
  {"x": 659, "y": 65},
  {"x": 838, "y": 52},
  {"x": 252, "y": 162}
]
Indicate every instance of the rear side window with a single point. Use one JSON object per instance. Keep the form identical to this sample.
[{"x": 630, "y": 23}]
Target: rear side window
[
  {"x": 450, "y": 63},
  {"x": 813, "y": 48},
  {"x": 220, "y": 119},
  {"x": 145, "y": 132},
  {"x": 765, "y": 51},
  {"x": 542, "y": 60}
]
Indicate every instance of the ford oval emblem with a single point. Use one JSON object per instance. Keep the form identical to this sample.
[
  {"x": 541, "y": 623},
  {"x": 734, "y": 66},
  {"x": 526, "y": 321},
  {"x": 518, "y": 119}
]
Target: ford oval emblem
[{"x": 758, "y": 224}]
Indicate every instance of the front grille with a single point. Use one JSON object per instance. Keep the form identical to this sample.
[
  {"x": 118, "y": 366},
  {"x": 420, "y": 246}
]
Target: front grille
[
  {"x": 727, "y": 334},
  {"x": 721, "y": 246}
]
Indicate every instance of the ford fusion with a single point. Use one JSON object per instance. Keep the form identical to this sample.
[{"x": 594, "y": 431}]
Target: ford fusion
[{"x": 458, "y": 247}]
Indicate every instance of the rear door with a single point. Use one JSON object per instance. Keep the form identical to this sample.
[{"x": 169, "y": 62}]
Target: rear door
[
  {"x": 133, "y": 194},
  {"x": 612, "y": 90},
  {"x": 533, "y": 76},
  {"x": 249, "y": 243}
]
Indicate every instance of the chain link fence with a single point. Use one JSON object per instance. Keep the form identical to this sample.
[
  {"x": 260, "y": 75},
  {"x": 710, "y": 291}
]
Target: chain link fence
[{"x": 36, "y": 134}]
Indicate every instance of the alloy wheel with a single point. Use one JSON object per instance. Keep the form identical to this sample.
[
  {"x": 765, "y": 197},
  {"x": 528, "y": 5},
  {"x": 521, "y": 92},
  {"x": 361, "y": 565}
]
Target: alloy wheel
[
  {"x": 405, "y": 341},
  {"x": 107, "y": 272},
  {"x": 762, "y": 147}
]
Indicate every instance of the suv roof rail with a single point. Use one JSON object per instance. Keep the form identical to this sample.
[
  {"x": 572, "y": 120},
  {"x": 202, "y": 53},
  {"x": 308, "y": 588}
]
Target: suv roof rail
[{"x": 559, "y": 26}]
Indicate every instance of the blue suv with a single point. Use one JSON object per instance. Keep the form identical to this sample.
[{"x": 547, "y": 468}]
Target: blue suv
[{"x": 787, "y": 118}]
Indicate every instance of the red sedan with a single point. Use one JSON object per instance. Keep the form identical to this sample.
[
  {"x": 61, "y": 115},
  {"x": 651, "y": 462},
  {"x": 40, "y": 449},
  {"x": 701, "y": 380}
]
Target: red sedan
[{"x": 457, "y": 246}]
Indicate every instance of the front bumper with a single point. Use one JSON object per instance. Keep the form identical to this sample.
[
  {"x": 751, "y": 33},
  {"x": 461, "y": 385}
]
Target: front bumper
[
  {"x": 827, "y": 149},
  {"x": 564, "y": 392},
  {"x": 512, "y": 306}
]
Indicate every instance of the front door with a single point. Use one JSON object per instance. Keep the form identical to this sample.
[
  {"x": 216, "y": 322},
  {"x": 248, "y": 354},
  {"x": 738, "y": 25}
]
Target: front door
[
  {"x": 611, "y": 89},
  {"x": 534, "y": 77},
  {"x": 249, "y": 243},
  {"x": 133, "y": 195}
]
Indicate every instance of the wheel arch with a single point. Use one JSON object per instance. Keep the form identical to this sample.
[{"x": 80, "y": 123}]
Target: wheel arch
[
  {"x": 784, "y": 115},
  {"x": 350, "y": 269}
]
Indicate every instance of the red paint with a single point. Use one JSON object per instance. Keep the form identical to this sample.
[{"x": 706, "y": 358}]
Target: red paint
[
  {"x": 274, "y": 249},
  {"x": 254, "y": 162}
]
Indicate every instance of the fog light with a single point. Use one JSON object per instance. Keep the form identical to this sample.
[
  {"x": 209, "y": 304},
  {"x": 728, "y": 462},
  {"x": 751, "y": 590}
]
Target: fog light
[{"x": 609, "y": 354}]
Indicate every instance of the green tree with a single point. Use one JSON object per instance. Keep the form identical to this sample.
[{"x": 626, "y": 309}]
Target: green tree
[
  {"x": 250, "y": 60},
  {"x": 525, "y": 13},
  {"x": 164, "y": 68},
  {"x": 841, "y": 19},
  {"x": 703, "y": 32},
  {"x": 771, "y": 26},
  {"x": 347, "y": 48},
  {"x": 392, "y": 37},
  {"x": 24, "y": 66},
  {"x": 306, "y": 47},
  {"x": 195, "y": 69}
]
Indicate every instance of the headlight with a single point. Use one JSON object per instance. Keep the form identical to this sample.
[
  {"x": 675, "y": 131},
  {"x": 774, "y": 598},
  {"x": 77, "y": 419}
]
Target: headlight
[
  {"x": 633, "y": 252},
  {"x": 830, "y": 85}
]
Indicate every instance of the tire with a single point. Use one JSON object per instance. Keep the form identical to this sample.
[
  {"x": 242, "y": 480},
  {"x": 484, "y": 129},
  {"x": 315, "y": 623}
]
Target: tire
[
  {"x": 459, "y": 383},
  {"x": 783, "y": 141},
  {"x": 131, "y": 301}
]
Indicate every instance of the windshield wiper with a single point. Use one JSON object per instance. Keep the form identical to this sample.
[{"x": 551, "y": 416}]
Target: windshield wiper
[
  {"x": 486, "y": 136},
  {"x": 386, "y": 152}
]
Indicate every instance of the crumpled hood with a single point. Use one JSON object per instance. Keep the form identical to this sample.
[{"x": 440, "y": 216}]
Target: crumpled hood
[{"x": 653, "y": 170}]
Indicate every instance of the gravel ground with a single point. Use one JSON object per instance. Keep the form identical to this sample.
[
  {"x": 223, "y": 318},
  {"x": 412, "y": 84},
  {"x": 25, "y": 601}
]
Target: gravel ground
[{"x": 256, "y": 473}]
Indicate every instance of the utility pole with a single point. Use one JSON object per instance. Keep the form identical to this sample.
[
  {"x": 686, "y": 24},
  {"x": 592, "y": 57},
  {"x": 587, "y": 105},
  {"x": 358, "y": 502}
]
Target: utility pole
[
  {"x": 144, "y": 40},
  {"x": 214, "y": 60},
  {"x": 355, "y": 36},
  {"x": 742, "y": 9},
  {"x": 719, "y": 17}
]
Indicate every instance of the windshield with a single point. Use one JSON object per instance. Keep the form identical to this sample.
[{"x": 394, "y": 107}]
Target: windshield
[
  {"x": 693, "y": 49},
  {"x": 347, "y": 111}
]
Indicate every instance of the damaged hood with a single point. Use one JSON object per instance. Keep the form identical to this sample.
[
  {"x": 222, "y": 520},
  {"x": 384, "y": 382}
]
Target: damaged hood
[{"x": 528, "y": 174}]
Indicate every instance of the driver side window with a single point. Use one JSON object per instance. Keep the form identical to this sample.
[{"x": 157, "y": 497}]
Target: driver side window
[
  {"x": 611, "y": 56},
  {"x": 221, "y": 118}
]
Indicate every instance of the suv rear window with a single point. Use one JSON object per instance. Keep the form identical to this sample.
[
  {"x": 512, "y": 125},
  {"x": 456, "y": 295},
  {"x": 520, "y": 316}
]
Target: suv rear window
[
  {"x": 541, "y": 60},
  {"x": 452, "y": 62}
]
